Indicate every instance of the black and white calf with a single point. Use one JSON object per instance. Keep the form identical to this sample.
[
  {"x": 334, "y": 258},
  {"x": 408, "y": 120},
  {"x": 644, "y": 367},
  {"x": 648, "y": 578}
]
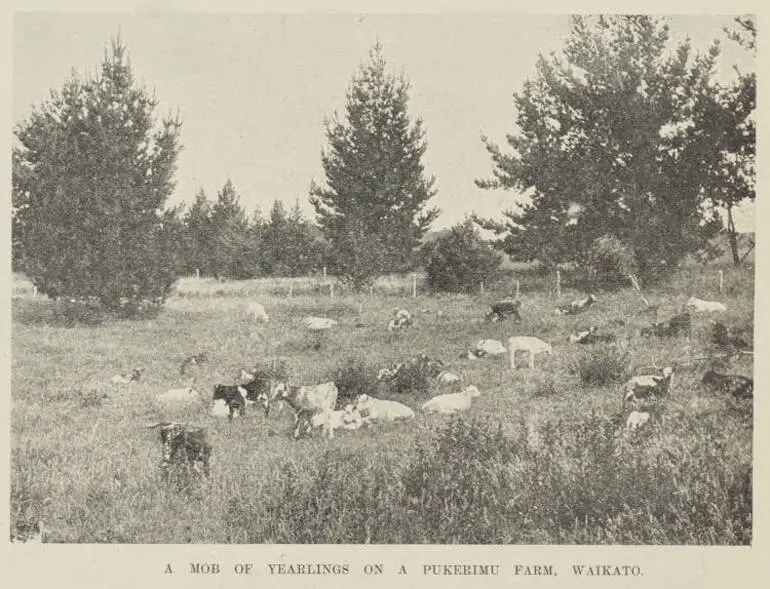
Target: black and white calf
[
  {"x": 501, "y": 310},
  {"x": 183, "y": 445},
  {"x": 737, "y": 386},
  {"x": 234, "y": 397}
]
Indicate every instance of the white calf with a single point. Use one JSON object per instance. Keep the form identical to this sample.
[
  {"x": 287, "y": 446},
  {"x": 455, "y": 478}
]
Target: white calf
[
  {"x": 348, "y": 418},
  {"x": 178, "y": 395},
  {"x": 453, "y": 402},
  {"x": 637, "y": 419},
  {"x": 529, "y": 344},
  {"x": 701, "y": 306},
  {"x": 257, "y": 311},
  {"x": 308, "y": 401},
  {"x": 485, "y": 347},
  {"x": 372, "y": 409}
]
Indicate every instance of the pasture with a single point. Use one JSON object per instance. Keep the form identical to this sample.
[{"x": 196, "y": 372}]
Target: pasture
[{"x": 540, "y": 458}]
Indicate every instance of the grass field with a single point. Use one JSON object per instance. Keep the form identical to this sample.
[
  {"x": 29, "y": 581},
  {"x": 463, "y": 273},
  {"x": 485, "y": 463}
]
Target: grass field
[{"x": 539, "y": 459}]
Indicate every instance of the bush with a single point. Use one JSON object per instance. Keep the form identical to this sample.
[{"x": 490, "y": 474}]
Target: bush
[
  {"x": 460, "y": 260},
  {"x": 611, "y": 261},
  {"x": 601, "y": 365},
  {"x": 353, "y": 377}
]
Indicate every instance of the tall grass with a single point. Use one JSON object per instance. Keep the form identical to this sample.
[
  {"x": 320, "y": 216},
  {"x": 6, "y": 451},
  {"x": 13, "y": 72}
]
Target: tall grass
[{"x": 540, "y": 458}]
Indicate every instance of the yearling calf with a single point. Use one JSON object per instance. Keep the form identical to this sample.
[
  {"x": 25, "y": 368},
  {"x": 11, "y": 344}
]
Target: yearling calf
[
  {"x": 501, "y": 310},
  {"x": 306, "y": 402},
  {"x": 183, "y": 445},
  {"x": 739, "y": 387},
  {"x": 234, "y": 396}
]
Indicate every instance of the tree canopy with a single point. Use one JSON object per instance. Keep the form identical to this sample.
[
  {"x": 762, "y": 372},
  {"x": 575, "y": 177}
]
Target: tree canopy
[
  {"x": 610, "y": 142},
  {"x": 91, "y": 175},
  {"x": 373, "y": 209}
]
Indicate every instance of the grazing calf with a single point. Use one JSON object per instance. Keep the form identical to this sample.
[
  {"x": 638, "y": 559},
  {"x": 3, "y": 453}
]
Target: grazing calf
[
  {"x": 126, "y": 377},
  {"x": 452, "y": 403},
  {"x": 501, "y": 310},
  {"x": 257, "y": 312},
  {"x": 194, "y": 360},
  {"x": 577, "y": 306},
  {"x": 701, "y": 306},
  {"x": 372, "y": 409},
  {"x": 737, "y": 386},
  {"x": 529, "y": 344},
  {"x": 306, "y": 402},
  {"x": 648, "y": 386},
  {"x": 183, "y": 445},
  {"x": 234, "y": 397}
]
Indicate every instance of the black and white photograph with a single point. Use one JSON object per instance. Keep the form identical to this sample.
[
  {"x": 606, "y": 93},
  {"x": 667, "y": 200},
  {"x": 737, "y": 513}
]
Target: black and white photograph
[{"x": 323, "y": 278}]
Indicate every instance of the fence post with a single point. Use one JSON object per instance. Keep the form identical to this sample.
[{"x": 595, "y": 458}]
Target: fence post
[
  {"x": 331, "y": 290},
  {"x": 197, "y": 273},
  {"x": 414, "y": 285},
  {"x": 324, "y": 274},
  {"x": 371, "y": 291},
  {"x": 291, "y": 288},
  {"x": 34, "y": 291},
  {"x": 481, "y": 288},
  {"x": 558, "y": 284},
  {"x": 517, "y": 289},
  {"x": 721, "y": 281}
]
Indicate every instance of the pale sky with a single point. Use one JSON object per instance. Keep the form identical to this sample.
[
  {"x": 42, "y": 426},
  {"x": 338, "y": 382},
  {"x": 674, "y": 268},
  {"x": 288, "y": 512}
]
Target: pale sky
[{"x": 253, "y": 89}]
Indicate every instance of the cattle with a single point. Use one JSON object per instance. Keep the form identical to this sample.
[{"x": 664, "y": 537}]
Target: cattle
[
  {"x": 448, "y": 378},
  {"x": 372, "y": 409},
  {"x": 648, "y": 386},
  {"x": 577, "y": 306},
  {"x": 126, "y": 377},
  {"x": 257, "y": 312},
  {"x": 194, "y": 360},
  {"x": 401, "y": 320},
  {"x": 348, "y": 418},
  {"x": 318, "y": 326},
  {"x": 452, "y": 403},
  {"x": 529, "y": 344},
  {"x": 184, "y": 395},
  {"x": 637, "y": 419},
  {"x": 183, "y": 445},
  {"x": 701, "y": 306},
  {"x": 501, "y": 310},
  {"x": 234, "y": 397},
  {"x": 306, "y": 402},
  {"x": 415, "y": 373},
  {"x": 676, "y": 325},
  {"x": 220, "y": 408},
  {"x": 737, "y": 386},
  {"x": 590, "y": 336},
  {"x": 722, "y": 337},
  {"x": 484, "y": 348}
]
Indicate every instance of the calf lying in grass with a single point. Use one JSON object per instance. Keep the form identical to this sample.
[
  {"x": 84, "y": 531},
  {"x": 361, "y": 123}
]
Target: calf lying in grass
[{"x": 737, "y": 386}]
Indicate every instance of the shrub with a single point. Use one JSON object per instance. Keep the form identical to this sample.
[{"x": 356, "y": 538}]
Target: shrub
[
  {"x": 353, "y": 377},
  {"x": 611, "y": 261},
  {"x": 601, "y": 365},
  {"x": 460, "y": 260}
]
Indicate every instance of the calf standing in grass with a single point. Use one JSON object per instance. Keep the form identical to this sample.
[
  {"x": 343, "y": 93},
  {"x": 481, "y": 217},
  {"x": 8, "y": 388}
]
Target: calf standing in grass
[
  {"x": 307, "y": 401},
  {"x": 648, "y": 386},
  {"x": 532, "y": 345},
  {"x": 183, "y": 445},
  {"x": 234, "y": 397},
  {"x": 577, "y": 306}
]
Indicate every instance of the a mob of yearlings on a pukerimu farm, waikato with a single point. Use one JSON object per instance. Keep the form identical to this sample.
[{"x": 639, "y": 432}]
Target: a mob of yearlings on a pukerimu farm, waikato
[{"x": 259, "y": 364}]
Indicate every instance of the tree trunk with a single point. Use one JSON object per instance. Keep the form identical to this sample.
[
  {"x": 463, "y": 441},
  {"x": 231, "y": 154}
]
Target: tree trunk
[{"x": 732, "y": 236}]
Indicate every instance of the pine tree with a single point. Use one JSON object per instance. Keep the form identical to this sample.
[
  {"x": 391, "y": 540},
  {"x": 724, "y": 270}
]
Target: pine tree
[
  {"x": 605, "y": 146},
  {"x": 198, "y": 233},
  {"x": 91, "y": 175},
  {"x": 229, "y": 234},
  {"x": 373, "y": 208}
]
